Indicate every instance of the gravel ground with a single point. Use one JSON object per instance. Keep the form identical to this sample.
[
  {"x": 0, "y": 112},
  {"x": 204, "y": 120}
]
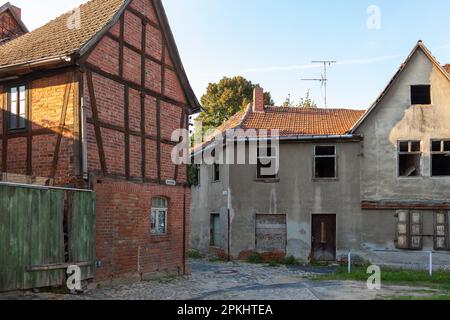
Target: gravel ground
[{"x": 234, "y": 281}]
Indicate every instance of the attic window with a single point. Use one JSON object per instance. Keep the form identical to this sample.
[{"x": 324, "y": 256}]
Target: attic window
[
  {"x": 440, "y": 158},
  {"x": 409, "y": 158},
  {"x": 421, "y": 94}
]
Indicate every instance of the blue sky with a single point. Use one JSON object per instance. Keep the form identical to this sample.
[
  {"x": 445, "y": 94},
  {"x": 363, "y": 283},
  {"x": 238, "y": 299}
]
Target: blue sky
[{"x": 272, "y": 42}]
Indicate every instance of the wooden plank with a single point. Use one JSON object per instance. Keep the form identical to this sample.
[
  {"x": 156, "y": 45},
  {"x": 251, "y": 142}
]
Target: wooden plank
[
  {"x": 121, "y": 45},
  {"x": 62, "y": 124},
  {"x": 29, "y": 123},
  {"x": 58, "y": 266},
  {"x": 98, "y": 133},
  {"x": 82, "y": 231},
  {"x": 127, "y": 131}
]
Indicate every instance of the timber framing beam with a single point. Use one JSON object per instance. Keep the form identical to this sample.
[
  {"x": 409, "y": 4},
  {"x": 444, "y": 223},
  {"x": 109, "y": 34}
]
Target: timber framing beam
[{"x": 405, "y": 205}]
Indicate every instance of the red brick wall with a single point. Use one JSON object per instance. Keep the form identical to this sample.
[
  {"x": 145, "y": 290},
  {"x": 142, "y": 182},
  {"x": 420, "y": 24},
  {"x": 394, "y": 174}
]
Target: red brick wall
[
  {"x": 46, "y": 99},
  {"x": 124, "y": 243},
  {"x": 9, "y": 28}
]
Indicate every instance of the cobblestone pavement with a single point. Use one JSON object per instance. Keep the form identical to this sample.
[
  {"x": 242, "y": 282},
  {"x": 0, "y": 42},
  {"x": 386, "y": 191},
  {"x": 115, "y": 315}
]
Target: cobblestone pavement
[{"x": 233, "y": 281}]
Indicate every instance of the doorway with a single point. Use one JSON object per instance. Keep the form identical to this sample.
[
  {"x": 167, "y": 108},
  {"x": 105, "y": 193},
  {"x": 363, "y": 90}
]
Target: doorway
[{"x": 324, "y": 237}]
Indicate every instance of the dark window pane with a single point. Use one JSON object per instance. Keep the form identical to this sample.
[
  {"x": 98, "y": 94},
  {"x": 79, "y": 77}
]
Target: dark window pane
[
  {"x": 409, "y": 165},
  {"x": 325, "y": 168},
  {"x": 421, "y": 94},
  {"x": 325, "y": 151},
  {"x": 436, "y": 146},
  {"x": 446, "y": 145},
  {"x": 440, "y": 165},
  {"x": 263, "y": 169},
  {"x": 266, "y": 152},
  {"x": 415, "y": 146},
  {"x": 404, "y": 146},
  {"x": 216, "y": 172}
]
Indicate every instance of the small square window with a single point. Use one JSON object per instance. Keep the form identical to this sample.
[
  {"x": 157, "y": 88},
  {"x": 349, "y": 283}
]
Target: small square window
[
  {"x": 409, "y": 158},
  {"x": 421, "y": 94}
]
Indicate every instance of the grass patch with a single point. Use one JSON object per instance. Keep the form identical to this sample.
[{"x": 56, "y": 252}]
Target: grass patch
[
  {"x": 291, "y": 261},
  {"x": 215, "y": 259},
  {"x": 439, "y": 280},
  {"x": 194, "y": 254},
  {"x": 444, "y": 297},
  {"x": 273, "y": 263},
  {"x": 255, "y": 258}
]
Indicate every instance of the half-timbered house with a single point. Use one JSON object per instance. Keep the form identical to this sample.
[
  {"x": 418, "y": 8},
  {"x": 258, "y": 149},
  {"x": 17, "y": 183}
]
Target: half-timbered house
[{"x": 90, "y": 101}]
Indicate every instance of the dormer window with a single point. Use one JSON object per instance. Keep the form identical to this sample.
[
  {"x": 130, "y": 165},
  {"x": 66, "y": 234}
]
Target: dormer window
[{"x": 420, "y": 94}]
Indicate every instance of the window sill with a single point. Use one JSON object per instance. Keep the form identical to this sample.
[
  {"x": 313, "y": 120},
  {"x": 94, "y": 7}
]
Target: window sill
[
  {"x": 155, "y": 238},
  {"x": 325, "y": 179},
  {"x": 268, "y": 180}
]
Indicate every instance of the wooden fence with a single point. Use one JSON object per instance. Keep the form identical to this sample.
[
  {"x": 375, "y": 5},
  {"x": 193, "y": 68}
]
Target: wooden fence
[{"x": 43, "y": 231}]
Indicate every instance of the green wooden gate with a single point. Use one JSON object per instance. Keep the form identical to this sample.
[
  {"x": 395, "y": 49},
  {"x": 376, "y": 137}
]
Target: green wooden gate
[{"x": 42, "y": 232}]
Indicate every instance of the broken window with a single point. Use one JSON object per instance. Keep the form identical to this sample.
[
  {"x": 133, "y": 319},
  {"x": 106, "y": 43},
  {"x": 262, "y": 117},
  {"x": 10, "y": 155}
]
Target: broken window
[
  {"x": 409, "y": 158},
  {"x": 159, "y": 216},
  {"x": 421, "y": 94},
  {"x": 441, "y": 226},
  {"x": 216, "y": 172},
  {"x": 409, "y": 230},
  {"x": 17, "y": 107},
  {"x": 266, "y": 166},
  {"x": 325, "y": 162},
  {"x": 215, "y": 230},
  {"x": 440, "y": 158}
]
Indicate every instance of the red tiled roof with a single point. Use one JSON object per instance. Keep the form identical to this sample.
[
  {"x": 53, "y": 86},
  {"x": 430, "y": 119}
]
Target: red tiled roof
[
  {"x": 302, "y": 121},
  {"x": 291, "y": 122},
  {"x": 447, "y": 68}
]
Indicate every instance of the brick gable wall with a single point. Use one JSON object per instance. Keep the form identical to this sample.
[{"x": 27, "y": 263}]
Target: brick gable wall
[
  {"x": 135, "y": 101},
  {"x": 9, "y": 28}
]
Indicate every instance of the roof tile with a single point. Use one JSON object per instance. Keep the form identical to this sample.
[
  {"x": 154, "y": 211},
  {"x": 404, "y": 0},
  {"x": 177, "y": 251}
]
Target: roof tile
[{"x": 56, "y": 39}]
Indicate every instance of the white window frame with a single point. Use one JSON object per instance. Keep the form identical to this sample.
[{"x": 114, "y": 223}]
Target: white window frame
[
  {"x": 16, "y": 110},
  {"x": 155, "y": 211}
]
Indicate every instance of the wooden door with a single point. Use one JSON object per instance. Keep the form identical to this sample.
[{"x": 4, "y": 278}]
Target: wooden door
[{"x": 324, "y": 237}]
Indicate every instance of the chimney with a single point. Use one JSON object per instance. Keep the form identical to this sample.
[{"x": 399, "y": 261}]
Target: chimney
[
  {"x": 11, "y": 25},
  {"x": 258, "y": 99}
]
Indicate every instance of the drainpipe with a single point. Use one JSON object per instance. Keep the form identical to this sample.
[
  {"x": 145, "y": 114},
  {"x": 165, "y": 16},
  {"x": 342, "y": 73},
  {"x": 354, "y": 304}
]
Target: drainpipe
[
  {"x": 184, "y": 231},
  {"x": 229, "y": 223},
  {"x": 84, "y": 138}
]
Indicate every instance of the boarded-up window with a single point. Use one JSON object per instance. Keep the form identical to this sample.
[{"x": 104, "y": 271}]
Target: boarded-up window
[
  {"x": 441, "y": 226},
  {"x": 409, "y": 230},
  {"x": 271, "y": 232},
  {"x": 215, "y": 230},
  {"x": 402, "y": 229},
  {"x": 416, "y": 230}
]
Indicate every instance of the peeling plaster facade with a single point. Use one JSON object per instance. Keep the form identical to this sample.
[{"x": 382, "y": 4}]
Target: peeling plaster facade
[{"x": 366, "y": 171}]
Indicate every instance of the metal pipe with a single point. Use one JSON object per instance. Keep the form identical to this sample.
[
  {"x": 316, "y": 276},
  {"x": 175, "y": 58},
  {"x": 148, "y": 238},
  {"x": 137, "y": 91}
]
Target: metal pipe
[
  {"x": 350, "y": 262},
  {"x": 431, "y": 263},
  {"x": 84, "y": 138}
]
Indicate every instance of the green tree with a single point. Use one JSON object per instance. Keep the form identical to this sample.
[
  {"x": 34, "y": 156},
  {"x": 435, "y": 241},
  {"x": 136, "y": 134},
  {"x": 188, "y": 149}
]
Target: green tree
[
  {"x": 224, "y": 99},
  {"x": 306, "y": 102}
]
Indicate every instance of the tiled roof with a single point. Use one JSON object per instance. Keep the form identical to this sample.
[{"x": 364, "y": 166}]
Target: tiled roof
[
  {"x": 447, "y": 68},
  {"x": 56, "y": 39},
  {"x": 290, "y": 122},
  {"x": 302, "y": 121}
]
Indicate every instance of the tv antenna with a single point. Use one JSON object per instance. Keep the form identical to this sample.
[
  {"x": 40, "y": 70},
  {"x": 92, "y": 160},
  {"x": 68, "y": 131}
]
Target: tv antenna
[{"x": 324, "y": 79}]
